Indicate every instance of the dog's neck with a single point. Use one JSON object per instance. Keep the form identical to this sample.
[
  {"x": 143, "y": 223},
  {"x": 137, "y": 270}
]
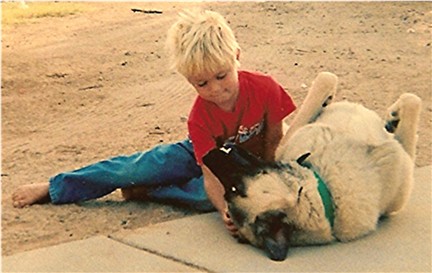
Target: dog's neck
[{"x": 315, "y": 194}]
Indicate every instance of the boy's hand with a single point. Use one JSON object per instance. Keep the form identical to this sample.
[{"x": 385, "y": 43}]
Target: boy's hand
[{"x": 230, "y": 226}]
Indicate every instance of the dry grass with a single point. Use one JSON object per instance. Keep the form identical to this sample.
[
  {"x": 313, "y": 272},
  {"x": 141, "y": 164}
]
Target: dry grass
[{"x": 18, "y": 13}]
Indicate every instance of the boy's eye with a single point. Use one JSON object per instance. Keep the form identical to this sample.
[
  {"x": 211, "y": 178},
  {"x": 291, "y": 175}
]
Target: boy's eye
[
  {"x": 221, "y": 76},
  {"x": 201, "y": 84}
]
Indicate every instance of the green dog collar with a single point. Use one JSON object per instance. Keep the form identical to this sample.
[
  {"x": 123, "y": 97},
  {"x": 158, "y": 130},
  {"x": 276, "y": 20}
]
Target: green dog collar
[{"x": 326, "y": 199}]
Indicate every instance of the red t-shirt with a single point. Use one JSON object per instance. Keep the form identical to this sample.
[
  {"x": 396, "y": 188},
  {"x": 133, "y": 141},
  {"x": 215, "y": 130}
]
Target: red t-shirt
[{"x": 261, "y": 101}]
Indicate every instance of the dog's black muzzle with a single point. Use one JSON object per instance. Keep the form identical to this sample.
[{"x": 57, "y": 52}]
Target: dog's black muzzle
[{"x": 274, "y": 233}]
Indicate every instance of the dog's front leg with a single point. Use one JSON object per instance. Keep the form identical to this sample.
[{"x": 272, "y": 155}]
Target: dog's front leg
[{"x": 321, "y": 93}]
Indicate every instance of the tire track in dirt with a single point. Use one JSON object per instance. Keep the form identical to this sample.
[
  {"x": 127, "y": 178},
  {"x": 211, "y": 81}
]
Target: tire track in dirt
[{"x": 121, "y": 34}]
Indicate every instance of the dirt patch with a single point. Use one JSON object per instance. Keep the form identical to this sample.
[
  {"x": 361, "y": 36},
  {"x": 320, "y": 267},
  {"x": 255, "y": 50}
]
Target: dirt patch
[{"x": 95, "y": 84}]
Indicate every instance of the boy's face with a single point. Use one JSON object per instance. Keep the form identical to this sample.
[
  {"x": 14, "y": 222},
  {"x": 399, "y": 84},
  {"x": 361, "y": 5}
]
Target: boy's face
[{"x": 220, "y": 87}]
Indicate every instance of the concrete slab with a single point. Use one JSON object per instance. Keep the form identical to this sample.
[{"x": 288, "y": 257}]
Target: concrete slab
[
  {"x": 402, "y": 243},
  {"x": 98, "y": 254}
]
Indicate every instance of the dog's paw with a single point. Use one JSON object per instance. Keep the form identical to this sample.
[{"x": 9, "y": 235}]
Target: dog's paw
[
  {"x": 403, "y": 108},
  {"x": 392, "y": 121},
  {"x": 327, "y": 101}
]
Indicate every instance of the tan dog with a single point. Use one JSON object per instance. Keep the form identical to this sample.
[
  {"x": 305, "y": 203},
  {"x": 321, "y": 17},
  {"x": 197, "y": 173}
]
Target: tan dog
[{"x": 340, "y": 167}]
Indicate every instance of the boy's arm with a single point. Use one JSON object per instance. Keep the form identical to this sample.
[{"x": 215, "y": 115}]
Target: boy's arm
[
  {"x": 215, "y": 193},
  {"x": 272, "y": 136},
  {"x": 214, "y": 189}
]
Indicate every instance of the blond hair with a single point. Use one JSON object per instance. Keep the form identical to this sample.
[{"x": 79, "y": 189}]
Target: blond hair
[{"x": 201, "y": 41}]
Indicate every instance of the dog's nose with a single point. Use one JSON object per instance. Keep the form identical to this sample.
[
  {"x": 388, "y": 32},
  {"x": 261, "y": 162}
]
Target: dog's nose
[{"x": 274, "y": 233}]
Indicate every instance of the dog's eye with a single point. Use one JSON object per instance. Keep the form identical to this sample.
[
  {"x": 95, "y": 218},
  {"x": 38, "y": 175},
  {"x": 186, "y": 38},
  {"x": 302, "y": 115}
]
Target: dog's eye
[
  {"x": 300, "y": 190},
  {"x": 299, "y": 193},
  {"x": 237, "y": 190}
]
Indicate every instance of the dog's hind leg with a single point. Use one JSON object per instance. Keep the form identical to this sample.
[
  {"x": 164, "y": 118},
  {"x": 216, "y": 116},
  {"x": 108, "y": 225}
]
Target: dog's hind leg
[
  {"x": 402, "y": 119},
  {"x": 321, "y": 93}
]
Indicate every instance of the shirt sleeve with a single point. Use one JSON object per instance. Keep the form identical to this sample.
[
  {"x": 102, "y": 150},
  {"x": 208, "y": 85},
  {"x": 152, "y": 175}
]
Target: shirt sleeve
[
  {"x": 202, "y": 140},
  {"x": 200, "y": 130},
  {"x": 279, "y": 103}
]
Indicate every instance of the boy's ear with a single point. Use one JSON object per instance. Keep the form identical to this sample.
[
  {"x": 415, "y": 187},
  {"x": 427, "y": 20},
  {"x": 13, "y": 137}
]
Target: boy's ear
[{"x": 238, "y": 54}]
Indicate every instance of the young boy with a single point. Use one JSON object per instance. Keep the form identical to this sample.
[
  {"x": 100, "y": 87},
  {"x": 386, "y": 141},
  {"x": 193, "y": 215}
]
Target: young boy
[{"x": 232, "y": 106}]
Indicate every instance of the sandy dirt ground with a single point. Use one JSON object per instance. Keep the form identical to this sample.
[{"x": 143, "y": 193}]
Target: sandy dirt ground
[{"x": 89, "y": 86}]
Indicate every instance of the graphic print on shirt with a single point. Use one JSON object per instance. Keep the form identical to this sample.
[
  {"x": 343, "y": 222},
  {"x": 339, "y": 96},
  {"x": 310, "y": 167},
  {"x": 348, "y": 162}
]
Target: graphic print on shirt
[{"x": 243, "y": 134}]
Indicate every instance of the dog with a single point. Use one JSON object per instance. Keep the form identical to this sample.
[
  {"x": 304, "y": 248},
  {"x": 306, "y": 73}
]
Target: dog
[{"x": 339, "y": 168}]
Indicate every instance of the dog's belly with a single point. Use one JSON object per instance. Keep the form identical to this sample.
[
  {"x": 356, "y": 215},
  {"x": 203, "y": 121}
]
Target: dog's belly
[
  {"x": 339, "y": 124},
  {"x": 354, "y": 121}
]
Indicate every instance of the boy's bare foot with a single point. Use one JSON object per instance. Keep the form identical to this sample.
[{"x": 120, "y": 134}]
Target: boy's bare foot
[
  {"x": 135, "y": 193},
  {"x": 31, "y": 194}
]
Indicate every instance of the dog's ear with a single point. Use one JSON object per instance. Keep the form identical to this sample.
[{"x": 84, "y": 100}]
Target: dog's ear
[
  {"x": 249, "y": 162},
  {"x": 230, "y": 163},
  {"x": 221, "y": 165},
  {"x": 302, "y": 160}
]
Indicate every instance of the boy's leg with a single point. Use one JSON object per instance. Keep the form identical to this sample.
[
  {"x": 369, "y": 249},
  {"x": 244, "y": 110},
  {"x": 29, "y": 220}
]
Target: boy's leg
[
  {"x": 161, "y": 166},
  {"x": 191, "y": 193}
]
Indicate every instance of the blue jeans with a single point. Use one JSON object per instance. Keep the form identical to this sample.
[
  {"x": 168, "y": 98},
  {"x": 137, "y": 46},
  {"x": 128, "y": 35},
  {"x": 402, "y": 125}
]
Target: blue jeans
[{"x": 169, "y": 171}]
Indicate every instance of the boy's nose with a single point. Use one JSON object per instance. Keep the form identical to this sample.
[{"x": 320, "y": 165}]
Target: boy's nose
[{"x": 214, "y": 86}]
